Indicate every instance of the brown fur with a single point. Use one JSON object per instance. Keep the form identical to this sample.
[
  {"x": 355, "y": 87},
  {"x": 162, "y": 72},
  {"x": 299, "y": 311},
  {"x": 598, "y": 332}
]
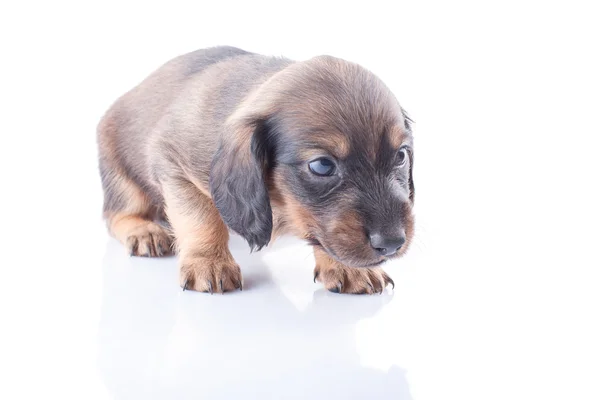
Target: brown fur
[{"x": 220, "y": 139}]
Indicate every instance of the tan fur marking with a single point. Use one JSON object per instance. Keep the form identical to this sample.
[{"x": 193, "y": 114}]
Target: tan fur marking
[
  {"x": 397, "y": 137},
  {"x": 289, "y": 212},
  {"x": 138, "y": 202},
  {"x": 347, "y": 225},
  {"x": 334, "y": 144}
]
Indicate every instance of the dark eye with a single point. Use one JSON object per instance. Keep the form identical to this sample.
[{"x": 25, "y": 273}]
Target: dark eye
[
  {"x": 322, "y": 167},
  {"x": 402, "y": 157}
]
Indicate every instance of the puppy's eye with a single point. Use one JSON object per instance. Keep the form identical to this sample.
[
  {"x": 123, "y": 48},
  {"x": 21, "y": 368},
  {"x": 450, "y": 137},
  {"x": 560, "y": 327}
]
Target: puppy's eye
[
  {"x": 402, "y": 157},
  {"x": 322, "y": 167}
]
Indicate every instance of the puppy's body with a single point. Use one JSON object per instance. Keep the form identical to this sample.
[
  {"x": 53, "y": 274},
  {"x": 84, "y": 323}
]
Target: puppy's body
[{"x": 218, "y": 138}]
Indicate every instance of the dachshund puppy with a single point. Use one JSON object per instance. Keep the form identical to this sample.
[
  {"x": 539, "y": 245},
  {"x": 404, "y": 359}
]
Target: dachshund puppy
[{"x": 222, "y": 139}]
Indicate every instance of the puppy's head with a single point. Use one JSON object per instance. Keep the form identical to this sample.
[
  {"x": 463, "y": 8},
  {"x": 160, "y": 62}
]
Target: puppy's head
[{"x": 327, "y": 144}]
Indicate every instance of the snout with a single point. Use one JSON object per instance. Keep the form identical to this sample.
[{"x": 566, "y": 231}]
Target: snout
[
  {"x": 387, "y": 244},
  {"x": 357, "y": 240}
]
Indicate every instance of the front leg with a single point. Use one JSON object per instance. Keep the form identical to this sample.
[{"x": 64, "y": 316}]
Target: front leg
[
  {"x": 339, "y": 278},
  {"x": 201, "y": 238}
]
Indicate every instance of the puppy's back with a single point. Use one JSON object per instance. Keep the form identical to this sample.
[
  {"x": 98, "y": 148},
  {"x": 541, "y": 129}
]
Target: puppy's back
[
  {"x": 145, "y": 104},
  {"x": 124, "y": 131}
]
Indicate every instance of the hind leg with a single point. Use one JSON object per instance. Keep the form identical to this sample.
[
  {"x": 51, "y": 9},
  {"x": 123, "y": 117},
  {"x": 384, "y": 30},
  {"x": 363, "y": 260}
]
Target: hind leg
[
  {"x": 130, "y": 216},
  {"x": 129, "y": 211}
]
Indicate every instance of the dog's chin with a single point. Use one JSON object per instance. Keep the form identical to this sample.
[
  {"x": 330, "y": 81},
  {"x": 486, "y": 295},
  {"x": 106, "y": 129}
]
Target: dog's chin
[
  {"x": 372, "y": 265},
  {"x": 354, "y": 263},
  {"x": 349, "y": 262}
]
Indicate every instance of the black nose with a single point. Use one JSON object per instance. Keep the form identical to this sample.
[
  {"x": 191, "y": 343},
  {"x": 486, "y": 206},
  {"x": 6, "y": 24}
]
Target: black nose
[{"x": 386, "y": 245}]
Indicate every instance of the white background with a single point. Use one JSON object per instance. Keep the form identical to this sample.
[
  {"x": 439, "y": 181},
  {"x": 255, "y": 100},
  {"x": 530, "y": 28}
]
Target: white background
[{"x": 499, "y": 297}]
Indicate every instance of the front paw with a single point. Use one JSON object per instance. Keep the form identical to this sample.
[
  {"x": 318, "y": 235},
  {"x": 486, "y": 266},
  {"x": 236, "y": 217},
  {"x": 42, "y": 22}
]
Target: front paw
[
  {"x": 338, "y": 278},
  {"x": 205, "y": 274}
]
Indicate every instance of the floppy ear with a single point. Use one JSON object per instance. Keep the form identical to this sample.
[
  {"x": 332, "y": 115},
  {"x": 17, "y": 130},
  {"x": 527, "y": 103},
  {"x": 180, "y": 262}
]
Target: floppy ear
[{"x": 238, "y": 181}]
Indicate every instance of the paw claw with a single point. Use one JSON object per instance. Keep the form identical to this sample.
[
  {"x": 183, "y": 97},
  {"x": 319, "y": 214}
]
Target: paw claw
[
  {"x": 389, "y": 280},
  {"x": 210, "y": 288},
  {"x": 185, "y": 285},
  {"x": 338, "y": 288},
  {"x": 221, "y": 286},
  {"x": 315, "y": 277}
]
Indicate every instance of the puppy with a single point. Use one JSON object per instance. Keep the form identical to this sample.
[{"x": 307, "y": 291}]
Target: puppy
[{"x": 222, "y": 139}]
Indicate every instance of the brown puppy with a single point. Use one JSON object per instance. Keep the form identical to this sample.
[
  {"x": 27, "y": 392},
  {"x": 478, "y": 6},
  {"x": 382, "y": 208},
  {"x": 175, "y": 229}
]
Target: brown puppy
[{"x": 222, "y": 139}]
